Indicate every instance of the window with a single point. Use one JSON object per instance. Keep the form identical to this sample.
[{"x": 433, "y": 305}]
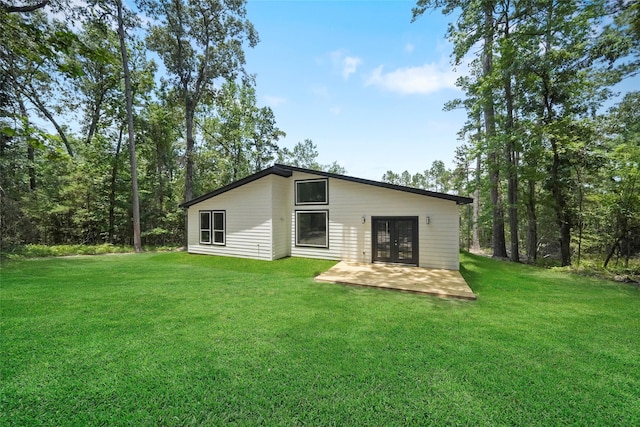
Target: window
[
  {"x": 212, "y": 227},
  {"x": 205, "y": 227},
  {"x": 312, "y": 192},
  {"x": 312, "y": 228},
  {"x": 218, "y": 228}
]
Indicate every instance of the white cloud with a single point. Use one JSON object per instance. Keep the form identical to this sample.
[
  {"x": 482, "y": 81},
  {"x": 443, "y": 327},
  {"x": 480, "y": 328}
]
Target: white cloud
[
  {"x": 425, "y": 79},
  {"x": 274, "y": 101},
  {"x": 350, "y": 65},
  {"x": 344, "y": 64},
  {"x": 335, "y": 110},
  {"x": 409, "y": 48}
]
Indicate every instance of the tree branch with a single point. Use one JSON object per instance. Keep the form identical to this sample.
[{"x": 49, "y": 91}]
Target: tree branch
[{"x": 24, "y": 9}]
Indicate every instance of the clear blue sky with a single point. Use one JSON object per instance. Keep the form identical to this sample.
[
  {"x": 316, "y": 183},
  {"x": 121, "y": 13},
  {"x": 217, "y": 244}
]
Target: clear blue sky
[{"x": 360, "y": 80}]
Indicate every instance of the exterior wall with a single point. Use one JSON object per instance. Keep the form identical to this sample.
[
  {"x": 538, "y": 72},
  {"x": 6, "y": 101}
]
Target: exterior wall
[
  {"x": 260, "y": 221},
  {"x": 282, "y": 204},
  {"x": 350, "y": 239},
  {"x": 248, "y": 221}
]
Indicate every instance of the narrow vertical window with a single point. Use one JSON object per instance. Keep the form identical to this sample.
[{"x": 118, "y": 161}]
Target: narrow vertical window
[
  {"x": 205, "y": 227},
  {"x": 219, "y": 228}
]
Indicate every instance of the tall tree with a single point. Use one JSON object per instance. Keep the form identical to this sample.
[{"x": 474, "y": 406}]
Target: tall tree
[
  {"x": 200, "y": 42},
  {"x": 135, "y": 201},
  {"x": 477, "y": 24},
  {"x": 566, "y": 56},
  {"x": 507, "y": 60}
]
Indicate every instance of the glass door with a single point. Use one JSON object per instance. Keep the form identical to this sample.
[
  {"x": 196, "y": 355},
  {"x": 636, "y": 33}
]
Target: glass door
[{"x": 395, "y": 239}]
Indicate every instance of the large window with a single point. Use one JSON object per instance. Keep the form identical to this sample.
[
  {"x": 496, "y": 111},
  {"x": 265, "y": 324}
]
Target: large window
[
  {"x": 312, "y": 192},
  {"x": 312, "y": 228},
  {"x": 212, "y": 227}
]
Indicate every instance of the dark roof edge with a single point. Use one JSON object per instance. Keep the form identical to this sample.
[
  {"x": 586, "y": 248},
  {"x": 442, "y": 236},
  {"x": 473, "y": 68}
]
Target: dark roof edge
[
  {"x": 276, "y": 170},
  {"x": 460, "y": 200},
  {"x": 286, "y": 171}
]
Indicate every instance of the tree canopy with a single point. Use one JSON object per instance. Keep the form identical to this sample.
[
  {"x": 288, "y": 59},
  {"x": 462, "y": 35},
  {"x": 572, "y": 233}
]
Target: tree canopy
[{"x": 78, "y": 91}]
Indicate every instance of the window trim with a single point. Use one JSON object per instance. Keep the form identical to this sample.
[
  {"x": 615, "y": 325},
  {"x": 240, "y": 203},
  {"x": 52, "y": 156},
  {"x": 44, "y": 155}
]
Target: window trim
[
  {"x": 211, "y": 229},
  {"x": 297, "y": 233},
  {"x": 302, "y": 181}
]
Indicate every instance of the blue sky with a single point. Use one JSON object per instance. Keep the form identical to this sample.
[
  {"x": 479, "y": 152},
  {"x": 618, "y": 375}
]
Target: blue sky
[{"x": 360, "y": 80}]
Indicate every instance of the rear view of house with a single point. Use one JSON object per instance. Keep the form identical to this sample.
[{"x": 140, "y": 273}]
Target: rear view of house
[{"x": 288, "y": 211}]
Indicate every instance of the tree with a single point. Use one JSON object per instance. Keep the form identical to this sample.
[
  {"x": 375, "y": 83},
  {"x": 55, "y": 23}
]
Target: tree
[
  {"x": 160, "y": 136},
  {"x": 618, "y": 195},
  {"x": 32, "y": 64},
  {"x": 305, "y": 155},
  {"x": 566, "y": 58},
  {"x": 537, "y": 81},
  {"x": 200, "y": 42},
  {"x": 239, "y": 137},
  {"x": 436, "y": 178},
  {"x": 477, "y": 23},
  {"x": 135, "y": 202},
  {"x": 265, "y": 136}
]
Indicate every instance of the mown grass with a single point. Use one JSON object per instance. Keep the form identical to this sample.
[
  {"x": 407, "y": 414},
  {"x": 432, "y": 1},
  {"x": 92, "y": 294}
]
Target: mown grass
[{"x": 178, "y": 339}]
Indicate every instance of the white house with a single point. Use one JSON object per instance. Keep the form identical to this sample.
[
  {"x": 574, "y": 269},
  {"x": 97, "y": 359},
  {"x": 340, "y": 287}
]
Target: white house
[{"x": 289, "y": 211}]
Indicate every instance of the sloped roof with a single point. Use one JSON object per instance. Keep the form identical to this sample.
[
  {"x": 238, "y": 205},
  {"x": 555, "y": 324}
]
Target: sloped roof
[{"x": 287, "y": 171}]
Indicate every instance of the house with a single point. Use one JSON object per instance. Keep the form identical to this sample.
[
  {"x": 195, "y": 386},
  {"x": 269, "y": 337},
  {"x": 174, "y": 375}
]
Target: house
[{"x": 290, "y": 211}]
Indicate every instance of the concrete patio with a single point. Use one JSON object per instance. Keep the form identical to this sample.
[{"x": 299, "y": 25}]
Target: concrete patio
[{"x": 441, "y": 283}]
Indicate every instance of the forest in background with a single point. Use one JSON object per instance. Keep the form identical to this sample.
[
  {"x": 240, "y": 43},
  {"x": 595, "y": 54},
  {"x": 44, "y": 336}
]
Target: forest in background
[
  {"x": 550, "y": 151},
  {"x": 97, "y": 147},
  {"x": 95, "y": 152}
]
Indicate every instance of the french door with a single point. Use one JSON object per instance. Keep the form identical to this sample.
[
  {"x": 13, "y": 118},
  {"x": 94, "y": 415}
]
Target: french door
[{"x": 395, "y": 239}]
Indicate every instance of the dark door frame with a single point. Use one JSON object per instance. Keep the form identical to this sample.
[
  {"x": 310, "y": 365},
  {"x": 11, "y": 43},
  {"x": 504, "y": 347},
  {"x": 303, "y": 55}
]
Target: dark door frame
[{"x": 394, "y": 257}]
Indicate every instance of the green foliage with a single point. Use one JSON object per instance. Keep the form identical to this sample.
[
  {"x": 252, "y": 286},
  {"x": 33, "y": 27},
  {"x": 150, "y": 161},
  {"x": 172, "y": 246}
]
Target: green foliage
[
  {"x": 305, "y": 155},
  {"x": 44, "y": 251},
  {"x": 239, "y": 138},
  {"x": 200, "y": 42},
  {"x": 534, "y": 98},
  {"x": 63, "y": 63},
  {"x": 178, "y": 339},
  {"x": 436, "y": 178}
]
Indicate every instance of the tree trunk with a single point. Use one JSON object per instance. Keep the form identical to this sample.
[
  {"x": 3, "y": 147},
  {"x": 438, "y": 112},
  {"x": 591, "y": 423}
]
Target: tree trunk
[
  {"x": 611, "y": 252},
  {"x": 580, "y": 221},
  {"x": 95, "y": 118},
  {"x": 188, "y": 179},
  {"x": 475, "y": 245},
  {"x": 499, "y": 244},
  {"x": 511, "y": 160},
  {"x": 135, "y": 202},
  {"x": 560, "y": 206},
  {"x": 33, "y": 98},
  {"x": 512, "y": 196},
  {"x": 112, "y": 190},
  {"x": 31, "y": 154},
  {"x": 532, "y": 225},
  {"x": 161, "y": 185}
]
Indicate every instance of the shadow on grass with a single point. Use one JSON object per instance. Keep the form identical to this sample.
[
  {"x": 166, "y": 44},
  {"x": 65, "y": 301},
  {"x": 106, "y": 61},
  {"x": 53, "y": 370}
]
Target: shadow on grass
[{"x": 297, "y": 267}]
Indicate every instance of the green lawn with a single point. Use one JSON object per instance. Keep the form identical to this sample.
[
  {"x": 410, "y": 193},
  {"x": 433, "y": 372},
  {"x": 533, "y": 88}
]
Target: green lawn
[{"x": 178, "y": 339}]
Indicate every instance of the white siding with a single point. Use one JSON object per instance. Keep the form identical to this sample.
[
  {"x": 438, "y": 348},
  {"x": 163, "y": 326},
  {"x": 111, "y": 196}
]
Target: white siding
[
  {"x": 248, "y": 221},
  {"x": 350, "y": 239},
  {"x": 260, "y": 221},
  {"x": 282, "y": 189}
]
